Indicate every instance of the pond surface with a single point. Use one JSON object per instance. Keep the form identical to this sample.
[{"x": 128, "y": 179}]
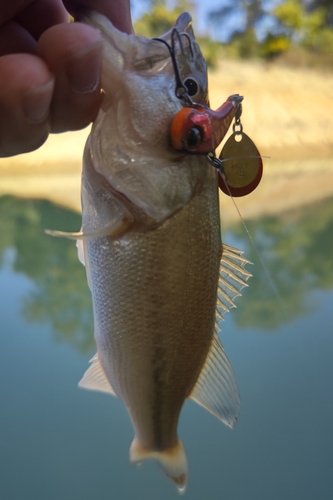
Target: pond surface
[{"x": 62, "y": 443}]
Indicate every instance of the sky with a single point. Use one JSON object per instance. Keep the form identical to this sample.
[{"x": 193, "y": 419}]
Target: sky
[{"x": 203, "y": 7}]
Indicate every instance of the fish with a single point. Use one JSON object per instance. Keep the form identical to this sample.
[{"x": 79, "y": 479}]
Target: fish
[{"x": 160, "y": 277}]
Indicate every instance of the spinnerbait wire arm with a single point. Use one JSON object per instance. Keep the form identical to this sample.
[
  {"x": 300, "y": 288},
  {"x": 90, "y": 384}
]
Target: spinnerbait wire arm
[
  {"x": 181, "y": 90},
  {"x": 179, "y": 38}
]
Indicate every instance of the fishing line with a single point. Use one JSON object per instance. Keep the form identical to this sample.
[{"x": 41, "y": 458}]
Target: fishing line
[
  {"x": 268, "y": 276},
  {"x": 217, "y": 163}
]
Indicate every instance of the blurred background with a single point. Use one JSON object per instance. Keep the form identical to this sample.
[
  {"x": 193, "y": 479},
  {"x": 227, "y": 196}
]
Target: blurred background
[{"x": 61, "y": 442}]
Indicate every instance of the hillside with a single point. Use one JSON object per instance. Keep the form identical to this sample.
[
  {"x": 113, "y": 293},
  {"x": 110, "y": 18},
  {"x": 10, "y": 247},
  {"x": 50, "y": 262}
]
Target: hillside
[{"x": 287, "y": 112}]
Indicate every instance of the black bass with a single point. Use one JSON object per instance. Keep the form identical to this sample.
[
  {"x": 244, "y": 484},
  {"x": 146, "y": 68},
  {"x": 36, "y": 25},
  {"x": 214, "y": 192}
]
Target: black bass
[{"x": 158, "y": 273}]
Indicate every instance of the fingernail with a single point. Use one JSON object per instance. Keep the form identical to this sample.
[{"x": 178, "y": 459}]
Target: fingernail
[
  {"x": 83, "y": 70},
  {"x": 36, "y": 102}
]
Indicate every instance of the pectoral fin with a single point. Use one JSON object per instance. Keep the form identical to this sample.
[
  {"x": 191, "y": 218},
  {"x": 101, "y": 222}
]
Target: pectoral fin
[
  {"x": 115, "y": 229},
  {"x": 82, "y": 254},
  {"x": 216, "y": 388},
  {"x": 95, "y": 378}
]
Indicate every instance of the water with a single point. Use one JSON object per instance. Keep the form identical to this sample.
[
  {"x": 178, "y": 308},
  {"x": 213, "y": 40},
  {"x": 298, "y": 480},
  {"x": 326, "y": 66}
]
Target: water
[{"x": 59, "y": 442}]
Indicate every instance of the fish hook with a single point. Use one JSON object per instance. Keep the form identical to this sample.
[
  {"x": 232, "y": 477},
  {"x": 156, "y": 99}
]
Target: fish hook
[{"x": 181, "y": 90}]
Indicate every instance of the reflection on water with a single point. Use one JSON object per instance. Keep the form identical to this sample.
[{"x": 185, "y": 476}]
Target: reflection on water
[
  {"x": 58, "y": 442},
  {"x": 296, "y": 248},
  {"x": 60, "y": 295}
]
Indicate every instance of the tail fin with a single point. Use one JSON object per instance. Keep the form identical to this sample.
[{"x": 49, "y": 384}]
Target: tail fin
[{"x": 172, "y": 461}]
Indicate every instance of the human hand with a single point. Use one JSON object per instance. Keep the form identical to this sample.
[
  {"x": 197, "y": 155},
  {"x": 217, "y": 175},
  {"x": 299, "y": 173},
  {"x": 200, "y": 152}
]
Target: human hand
[{"x": 49, "y": 69}]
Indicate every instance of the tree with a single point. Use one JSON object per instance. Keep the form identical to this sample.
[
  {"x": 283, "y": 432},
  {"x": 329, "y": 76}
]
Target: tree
[
  {"x": 160, "y": 18},
  {"x": 327, "y": 5},
  {"x": 305, "y": 25},
  {"x": 246, "y": 16}
]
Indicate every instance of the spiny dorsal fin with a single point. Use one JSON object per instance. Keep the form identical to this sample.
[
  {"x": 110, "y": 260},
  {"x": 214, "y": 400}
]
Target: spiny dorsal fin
[
  {"x": 95, "y": 378},
  {"x": 216, "y": 388},
  {"x": 233, "y": 277}
]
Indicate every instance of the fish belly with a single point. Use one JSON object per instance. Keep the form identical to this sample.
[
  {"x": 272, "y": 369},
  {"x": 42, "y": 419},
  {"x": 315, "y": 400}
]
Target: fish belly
[{"x": 154, "y": 297}]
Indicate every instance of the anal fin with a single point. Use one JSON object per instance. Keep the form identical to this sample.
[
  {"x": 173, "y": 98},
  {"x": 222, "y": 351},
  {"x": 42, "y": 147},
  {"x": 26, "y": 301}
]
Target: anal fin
[
  {"x": 95, "y": 378},
  {"x": 216, "y": 388}
]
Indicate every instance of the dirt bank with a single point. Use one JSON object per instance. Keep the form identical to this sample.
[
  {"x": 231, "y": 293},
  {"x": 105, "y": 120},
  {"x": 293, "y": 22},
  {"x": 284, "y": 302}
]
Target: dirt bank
[{"x": 288, "y": 113}]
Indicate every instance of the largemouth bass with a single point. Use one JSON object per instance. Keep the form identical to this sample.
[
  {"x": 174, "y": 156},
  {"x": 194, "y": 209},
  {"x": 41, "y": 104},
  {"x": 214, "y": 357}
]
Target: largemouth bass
[{"x": 159, "y": 276}]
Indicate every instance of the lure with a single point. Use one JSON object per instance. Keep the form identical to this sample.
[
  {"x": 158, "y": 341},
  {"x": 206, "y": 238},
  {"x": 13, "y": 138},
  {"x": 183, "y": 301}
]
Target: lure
[{"x": 198, "y": 129}]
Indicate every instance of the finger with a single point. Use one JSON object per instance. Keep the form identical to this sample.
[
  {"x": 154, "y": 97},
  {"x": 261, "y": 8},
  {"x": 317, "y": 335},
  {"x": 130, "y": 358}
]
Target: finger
[
  {"x": 118, "y": 11},
  {"x": 21, "y": 32},
  {"x": 25, "y": 95},
  {"x": 41, "y": 15},
  {"x": 73, "y": 53},
  {"x": 10, "y": 9},
  {"x": 14, "y": 39}
]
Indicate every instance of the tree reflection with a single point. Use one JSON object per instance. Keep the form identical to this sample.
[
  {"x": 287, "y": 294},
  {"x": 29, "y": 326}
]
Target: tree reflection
[
  {"x": 296, "y": 248},
  {"x": 61, "y": 295}
]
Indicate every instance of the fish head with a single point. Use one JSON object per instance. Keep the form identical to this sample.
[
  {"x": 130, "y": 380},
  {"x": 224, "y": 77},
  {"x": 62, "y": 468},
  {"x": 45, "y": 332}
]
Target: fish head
[{"x": 130, "y": 140}]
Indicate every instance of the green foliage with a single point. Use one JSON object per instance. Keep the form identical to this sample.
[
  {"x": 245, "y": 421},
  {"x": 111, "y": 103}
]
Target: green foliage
[
  {"x": 246, "y": 44},
  {"x": 298, "y": 23},
  {"x": 305, "y": 28},
  {"x": 296, "y": 248},
  {"x": 160, "y": 18},
  {"x": 323, "y": 41},
  {"x": 307, "y": 24},
  {"x": 290, "y": 15},
  {"x": 211, "y": 50},
  {"x": 61, "y": 295},
  {"x": 274, "y": 45}
]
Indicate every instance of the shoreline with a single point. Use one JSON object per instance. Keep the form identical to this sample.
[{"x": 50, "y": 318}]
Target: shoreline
[
  {"x": 287, "y": 112},
  {"x": 285, "y": 186}
]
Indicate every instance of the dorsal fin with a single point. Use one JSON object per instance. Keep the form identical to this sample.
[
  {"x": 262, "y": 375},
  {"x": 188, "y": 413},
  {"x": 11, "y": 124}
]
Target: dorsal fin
[
  {"x": 233, "y": 277},
  {"x": 216, "y": 388}
]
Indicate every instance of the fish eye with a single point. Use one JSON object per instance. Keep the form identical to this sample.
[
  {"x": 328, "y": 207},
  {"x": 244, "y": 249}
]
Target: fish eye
[{"x": 192, "y": 86}]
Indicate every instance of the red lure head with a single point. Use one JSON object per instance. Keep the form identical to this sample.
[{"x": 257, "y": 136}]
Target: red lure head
[{"x": 199, "y": 129}]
